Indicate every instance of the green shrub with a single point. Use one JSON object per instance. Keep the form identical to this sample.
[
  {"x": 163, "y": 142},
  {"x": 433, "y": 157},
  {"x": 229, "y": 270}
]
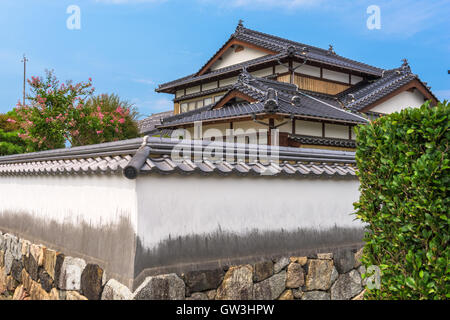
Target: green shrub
[{"x": 403, "y": 162}]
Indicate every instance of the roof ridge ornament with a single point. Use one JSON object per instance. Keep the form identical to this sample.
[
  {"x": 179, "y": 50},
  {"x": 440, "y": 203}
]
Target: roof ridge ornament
[
  {"x": 244, "y": 76},
  {"x": 405, "y": 66},
  {"x": 291, "y": 50},
  {"x": 239, "y": 27},
  {"x": 330, "y": 50},
  {"x": 271, "y": 102},
  {"x": 296, "y": 101}
]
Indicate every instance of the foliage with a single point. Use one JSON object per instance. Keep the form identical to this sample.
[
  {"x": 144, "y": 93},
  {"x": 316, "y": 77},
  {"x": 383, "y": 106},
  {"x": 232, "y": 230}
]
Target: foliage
[
  {"x": 118, "y": 117},
  {"x": 67, "y": 112},
  {"x": 404, "y": 173},
  {"x": 10, "y": 142}
]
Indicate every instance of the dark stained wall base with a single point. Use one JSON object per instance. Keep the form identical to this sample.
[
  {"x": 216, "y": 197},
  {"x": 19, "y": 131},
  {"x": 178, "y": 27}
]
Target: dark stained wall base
[
  {"x": 221, "y": 249},
  {"x": 111, "y": 246}
]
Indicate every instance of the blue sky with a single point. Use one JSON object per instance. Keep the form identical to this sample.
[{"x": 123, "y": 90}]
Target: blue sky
[{"x": 128, "y": 47}]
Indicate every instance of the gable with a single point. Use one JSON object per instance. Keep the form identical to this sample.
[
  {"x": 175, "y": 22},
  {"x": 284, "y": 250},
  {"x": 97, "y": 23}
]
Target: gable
[
  {"x": 407, "y": 99},
  {"x": 236, "y": 47},
  {"x": 237, "y": 54}
]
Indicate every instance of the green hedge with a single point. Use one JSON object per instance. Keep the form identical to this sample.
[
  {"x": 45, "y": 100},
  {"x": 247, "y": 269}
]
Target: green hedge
[{"x": 403, "y": 162}]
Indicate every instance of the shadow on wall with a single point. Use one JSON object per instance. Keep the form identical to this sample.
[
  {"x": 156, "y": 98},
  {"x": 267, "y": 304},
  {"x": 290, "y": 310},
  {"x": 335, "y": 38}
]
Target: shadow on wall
[
  {"x": 112, "y": 246},
  {"x": 221, "y": 248}
]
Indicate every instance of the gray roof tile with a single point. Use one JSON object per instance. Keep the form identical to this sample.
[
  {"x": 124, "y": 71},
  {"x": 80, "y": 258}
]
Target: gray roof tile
[{"x": 113, "y": 158}]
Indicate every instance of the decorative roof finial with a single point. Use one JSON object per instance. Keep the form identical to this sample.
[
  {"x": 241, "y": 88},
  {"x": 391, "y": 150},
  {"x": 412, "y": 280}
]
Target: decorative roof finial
[
  {"x": 405, "y": 65},
  {"x": 291, "y": 50},
  {"x": 271, "y": 102},
  {"x": 244, "y": 76},
  {"x": 239, "y": 27},
  {"x": 331, "y": 50}
]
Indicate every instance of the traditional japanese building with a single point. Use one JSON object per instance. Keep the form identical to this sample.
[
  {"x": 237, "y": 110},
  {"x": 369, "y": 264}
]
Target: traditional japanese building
[{"x": 259, "y": 82}]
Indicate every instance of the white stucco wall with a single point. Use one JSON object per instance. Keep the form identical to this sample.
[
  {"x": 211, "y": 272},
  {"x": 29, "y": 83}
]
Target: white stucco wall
[
  {"x": 405, "y": 99},
  {"x": 96, "y": 199},
  {"x": 231, "y": 57},
  {"x": 336, "y": 131},
  {"x": 308, "y": 70},
  {"x": 183, "y": 205},
  {"x": 309, "y": 128},
  {"x": 334, "y": 75}
]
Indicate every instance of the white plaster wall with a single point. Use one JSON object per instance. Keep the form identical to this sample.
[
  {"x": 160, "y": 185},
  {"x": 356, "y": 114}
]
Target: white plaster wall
[
  {"x": 355, "y": 79},
  {"x": 336, "y": 76},
  {"x": 96, "y": 199},
  {"x": 405, "y": 99},
  {"x": 193, "y": 90},
  {"x": 181, "y": 205},
  {"x": 336, "y": 131},
  {"x": 287, "y": 127},
  {"x": 263, "y": 72},
  {"x": 210, "y": 85},
  {"x": 226, "y": 82},
  {"x": 308, "y": 70},
  {"x": 179, "y": 93},
  {"x": 309, "y": 128},
  {"x": 281, "y": 69},
  {"x": 230, "y": 57}
]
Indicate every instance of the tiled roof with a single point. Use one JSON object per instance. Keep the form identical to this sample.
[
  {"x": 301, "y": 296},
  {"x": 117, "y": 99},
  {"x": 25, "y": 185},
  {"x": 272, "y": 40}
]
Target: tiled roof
[
  {"x": 323, "y": 141},
  {"x": 152, "y": 155},
  {"x": 284, "y": 48},
  {"x": 148, "y": 124},
  {"x": 309, "y": 105},
  {"x": 366, "y": 93}
]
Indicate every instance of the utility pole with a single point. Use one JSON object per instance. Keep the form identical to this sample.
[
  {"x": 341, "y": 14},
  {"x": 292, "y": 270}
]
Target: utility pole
[{"x": 24, "y": 60}]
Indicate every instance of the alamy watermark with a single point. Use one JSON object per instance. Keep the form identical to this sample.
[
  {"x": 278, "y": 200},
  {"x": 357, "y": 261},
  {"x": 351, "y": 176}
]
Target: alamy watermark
[
  {"x": 374, "y": 20},
  {"x": 73, "y": 22},
  {"x": 231, "y": 145}
]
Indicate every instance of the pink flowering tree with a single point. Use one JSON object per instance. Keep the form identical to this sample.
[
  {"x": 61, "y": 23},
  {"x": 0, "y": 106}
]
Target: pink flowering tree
[{"x": 58, "y": 113}]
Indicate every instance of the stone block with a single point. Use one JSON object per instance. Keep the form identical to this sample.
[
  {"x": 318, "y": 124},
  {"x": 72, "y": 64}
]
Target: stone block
[
  {"x": 70, "y": 274},
  {"x": 280, "y": 264},
  {"x": 91, "y": 282},
  {"x": 271, "y": 288},
  {"x": 37, "y": 251},
  {"x": 203, "y": 280},
  {"x": 16, "y": 270},
  {"x": 319, "y": 274},
  {"x": 287, "y": 295},
  {"x": 162, "y": 287},
  {"x": 316, "y": 295},
  {"x": 74, "y": 295},
  {"x": 45, "y": 280},
  {"x": 31, "y": 266},
  {"x": 325, "y": 256},
  {"x": 300, "y": 260},
  {"x": 49, "y": 262},
  {"x": 198, "y": 296},
  {"x": 9, "y": 258},
  {"x": 237, "y": 284},
  {"x": 263, "y": 270},
  {"x": 344, "y": 260},
  {"x": 347, "y": 286},
  {"x": 114, "y": 290},
  {"x": 211, "y": 294},
  {"x": 295, "y": 276}
]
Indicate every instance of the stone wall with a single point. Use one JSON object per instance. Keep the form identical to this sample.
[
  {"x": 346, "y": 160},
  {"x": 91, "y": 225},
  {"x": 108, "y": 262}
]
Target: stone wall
[{"x": 34, "y": 272}]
